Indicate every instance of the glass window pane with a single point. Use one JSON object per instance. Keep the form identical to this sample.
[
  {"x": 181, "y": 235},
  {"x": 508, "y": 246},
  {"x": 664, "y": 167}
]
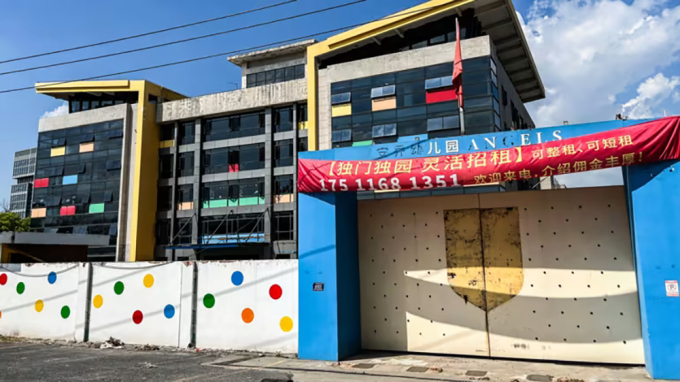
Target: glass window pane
[{"x": 434, "y": 124}]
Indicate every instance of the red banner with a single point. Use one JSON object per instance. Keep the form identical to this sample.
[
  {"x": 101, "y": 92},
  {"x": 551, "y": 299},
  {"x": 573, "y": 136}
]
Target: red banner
[{"x": 653, "y": 141}]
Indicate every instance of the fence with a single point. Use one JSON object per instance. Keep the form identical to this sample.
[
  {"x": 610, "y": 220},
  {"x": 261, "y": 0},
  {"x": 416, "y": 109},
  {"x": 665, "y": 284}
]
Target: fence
[{"x": 239, "y": 305}]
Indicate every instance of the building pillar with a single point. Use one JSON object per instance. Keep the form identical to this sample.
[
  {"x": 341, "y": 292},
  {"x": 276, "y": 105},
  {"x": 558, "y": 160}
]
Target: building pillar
[
  {"x": 173, "y": 218},
  {"x": 654, "y": 218},
  {"x": 330, "y": 328},
  {"x": 296, "y": 145},
  {"x": 268, "y": 179},
  {"x": 198, "y": 158}
]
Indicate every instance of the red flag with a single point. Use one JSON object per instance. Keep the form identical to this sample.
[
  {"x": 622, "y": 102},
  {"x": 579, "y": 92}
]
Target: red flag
[{"x": 458, "y": 69}]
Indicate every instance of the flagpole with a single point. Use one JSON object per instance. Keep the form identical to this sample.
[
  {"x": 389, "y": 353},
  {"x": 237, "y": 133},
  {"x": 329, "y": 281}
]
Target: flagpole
[{"x": 458, "y": 79}]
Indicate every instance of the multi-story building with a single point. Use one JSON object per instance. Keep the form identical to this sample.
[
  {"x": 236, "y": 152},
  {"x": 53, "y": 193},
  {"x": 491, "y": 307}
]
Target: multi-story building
[
  {"x": 22, "y": 173},
  {"x": 214, "y": 176}
]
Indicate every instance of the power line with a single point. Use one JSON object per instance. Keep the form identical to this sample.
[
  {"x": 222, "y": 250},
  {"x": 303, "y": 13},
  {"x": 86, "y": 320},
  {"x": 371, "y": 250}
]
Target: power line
[
  {"x": 181, "y": 41},
  {"x": 148, "y": 33},
  {"x": 253, "y": 48}
]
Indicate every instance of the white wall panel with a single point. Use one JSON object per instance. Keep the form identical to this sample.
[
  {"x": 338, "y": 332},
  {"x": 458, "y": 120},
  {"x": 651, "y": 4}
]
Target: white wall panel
[
  {"x": 248, "y": 305},
  {"x": 138, "y": 303},
  {"x": 40, "y": 300}
]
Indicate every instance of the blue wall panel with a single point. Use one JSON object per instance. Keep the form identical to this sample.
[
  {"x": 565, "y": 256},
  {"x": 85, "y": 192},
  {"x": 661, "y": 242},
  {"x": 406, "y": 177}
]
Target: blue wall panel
[
  {"x": 655, "y": 214},
  {"x": 329, "y": 320}
]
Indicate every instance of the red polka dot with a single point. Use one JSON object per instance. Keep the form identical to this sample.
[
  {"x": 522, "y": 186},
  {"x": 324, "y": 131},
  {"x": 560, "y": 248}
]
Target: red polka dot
[
  {"x": 3, "y": 279},
  {"x": 137, "y": 317},
  {"x": 275, "y": 292}
]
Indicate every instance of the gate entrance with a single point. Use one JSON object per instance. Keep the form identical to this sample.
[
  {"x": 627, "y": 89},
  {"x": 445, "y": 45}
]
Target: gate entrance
[{"x": 532, "y": 274}]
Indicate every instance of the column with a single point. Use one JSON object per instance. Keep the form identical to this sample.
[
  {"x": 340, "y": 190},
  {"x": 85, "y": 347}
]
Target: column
[
  {"x": 173, "y": 219},
  {"x": 296, "y": 145},
  {"x": 268, "y": 179},
  {"x": 654, "y": 210},
  {"x": 198, "y": 157},
  {"x": 330, "y": 324}
]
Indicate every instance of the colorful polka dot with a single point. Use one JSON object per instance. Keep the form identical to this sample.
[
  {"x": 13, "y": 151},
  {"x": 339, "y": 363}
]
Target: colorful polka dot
[
  {"x": 65, "y": 312},
  {"x": 209, "y": 301},
  {"x": 3, "y": 279},
  {"x": 247, "y": 315},
  {"x": 286, "y": 324},
  {"x": 39, "y": 305},
  {"x": 119, "y": 287},
  {"x": 137, "y": 317},
  {"x": 52, "y": 278},
  {"x": 237, "y": 278},
  {"x": 169, "y": 311},
  {"x": 21, "y": 288},
  {"x": 98, "y": 301},
  {"x": 148, "y": 281},
  {"x": 275, "y": 292}
]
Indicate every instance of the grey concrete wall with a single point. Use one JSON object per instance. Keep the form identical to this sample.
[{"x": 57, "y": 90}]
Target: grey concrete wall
[
  {"x": 506, "y": 111},
  {"x": 475, "y": 47},
  {"x": 127, "y": 174},
  {"x": 67, "y": 121},
  {"x": 236, "y": 101}
]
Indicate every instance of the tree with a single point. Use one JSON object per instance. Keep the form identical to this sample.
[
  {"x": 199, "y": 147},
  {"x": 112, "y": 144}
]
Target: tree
[{"x": 9, "y": 221}]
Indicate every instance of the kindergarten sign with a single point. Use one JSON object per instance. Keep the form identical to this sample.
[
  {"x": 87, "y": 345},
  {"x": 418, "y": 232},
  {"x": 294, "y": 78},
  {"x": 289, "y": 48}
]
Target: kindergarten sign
[{"x": 647, "y": 142}]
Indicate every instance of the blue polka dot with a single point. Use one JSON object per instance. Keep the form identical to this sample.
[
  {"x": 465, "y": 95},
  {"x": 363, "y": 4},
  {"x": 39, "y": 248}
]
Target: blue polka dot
[
  {"x": 52, "y": 278},
  {"x": 169, "y": 311},
  {"x": 237, "y": 278}
]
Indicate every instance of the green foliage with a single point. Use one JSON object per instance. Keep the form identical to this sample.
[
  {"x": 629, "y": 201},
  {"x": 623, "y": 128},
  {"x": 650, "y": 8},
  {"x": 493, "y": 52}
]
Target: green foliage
[{"x": 10, "y": 221}]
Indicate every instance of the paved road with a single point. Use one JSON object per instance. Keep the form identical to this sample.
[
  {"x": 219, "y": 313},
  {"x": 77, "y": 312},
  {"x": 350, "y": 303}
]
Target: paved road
[{"x": 32, "y": 362}]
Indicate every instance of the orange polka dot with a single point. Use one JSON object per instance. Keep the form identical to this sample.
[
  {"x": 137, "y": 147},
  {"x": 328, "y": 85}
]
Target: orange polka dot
[
  {"x": 0, "y": 314},
  {"x": 247, "y": 315}
]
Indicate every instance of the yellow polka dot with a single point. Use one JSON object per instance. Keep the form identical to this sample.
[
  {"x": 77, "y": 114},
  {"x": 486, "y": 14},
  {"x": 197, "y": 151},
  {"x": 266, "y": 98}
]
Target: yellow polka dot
[
  {"x": 286, "y": 324},
  {"x": 148, "y": 281},
  {"x": 98, "y": 301},
  {"x": 39, "y": 305}
]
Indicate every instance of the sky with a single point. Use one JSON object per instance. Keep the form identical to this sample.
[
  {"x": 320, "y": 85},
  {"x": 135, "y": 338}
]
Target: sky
[{"x": 596, "y": 58}]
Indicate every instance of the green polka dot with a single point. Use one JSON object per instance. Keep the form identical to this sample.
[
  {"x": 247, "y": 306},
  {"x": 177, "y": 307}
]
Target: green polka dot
[
  {"x": 119, "y": 288},
  {"x": 65, "y": 312},
  {"x": 21, "y": 288},
  {"x": 209, "y": 300}
]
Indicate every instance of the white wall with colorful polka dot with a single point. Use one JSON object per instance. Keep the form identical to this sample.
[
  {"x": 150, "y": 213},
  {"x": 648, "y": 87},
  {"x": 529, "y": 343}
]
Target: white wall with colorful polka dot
[
  {"x": 42, "y": 300},
  {"x": 141, "y": 303},
  {"x": 248, "y": 305}
]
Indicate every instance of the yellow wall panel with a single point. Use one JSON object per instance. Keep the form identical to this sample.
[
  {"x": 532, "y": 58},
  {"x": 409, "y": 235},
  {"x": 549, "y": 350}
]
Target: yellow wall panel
[
  {"x": 167, "y": 144},
  {"x": 58, "y": 151},
  {"x": 341, "y": 110}
]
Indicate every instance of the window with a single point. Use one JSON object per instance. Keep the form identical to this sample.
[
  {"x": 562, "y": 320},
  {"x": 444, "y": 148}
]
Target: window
[
  {"x": 283, "y": 185},
  {"x": 251, "y": 188},
  {"x": 251, "y": 157},
  {"x": 283, "y": 226},
  {"x": 216, "y": 161},
  {"x": 186, "y": 133},
  {"x": 283, "y": 119},
  {"x": 302, "y": 145},
  {"x": 276, "y": 75},
  {"x": 244, "y": 125},
  {"x": 283, "y": 153},
  {"x": 443, "y": 123},
  {"x": 165, "y": 164},
  {"x": 164, "y": 198},
  {"x": 341, "y": 98},
  {"x": 302, "y": 113},
  {"x": 440, "y": 82},
  {"x": 342, "y": 136},
  {"x": 505, "y": 96},
  {"x": 383, "y": 91},
  {"x": 163, "y": 232},
  {"x": 185, "y": 165},
  {"x": 167, "y": 132},
  {"x": 385, "y": 130},
  {"x": 183, "y": 229},
  {"x": 185, "y": 193}
]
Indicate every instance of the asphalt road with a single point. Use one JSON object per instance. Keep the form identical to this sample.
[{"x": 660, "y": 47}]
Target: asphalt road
[{"x": 32, "y": 362}]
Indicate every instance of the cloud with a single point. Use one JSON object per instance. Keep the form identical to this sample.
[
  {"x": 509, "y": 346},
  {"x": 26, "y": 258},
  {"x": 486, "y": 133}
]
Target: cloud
[
  {"x": 61, "y": 110},
  {"x": 590, "y": 51},
  {"x": 651, "y": 93}
]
